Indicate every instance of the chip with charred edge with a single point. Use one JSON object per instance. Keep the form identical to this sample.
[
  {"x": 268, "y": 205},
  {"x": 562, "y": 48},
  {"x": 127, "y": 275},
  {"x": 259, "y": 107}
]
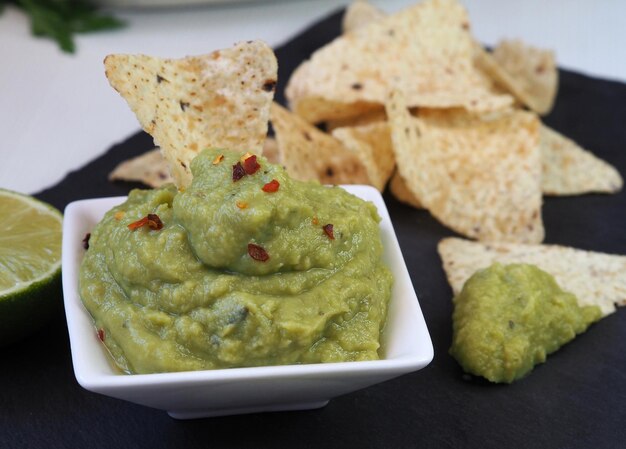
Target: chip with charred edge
[
  {"x": 358, "y": 14},
  {"x": 217, "y": 100},
  {"x": 310, "y": 154},
  {"x": 425, "y": 51},
  {"x": 595, "y": 278},
  {"x": 149, "y": 168},
  {"x": 480, "y": 178},
  {"x": 568, "y": 169},
  {"x": 529, "y": 73},
  {"x": 372, "y": 145}
]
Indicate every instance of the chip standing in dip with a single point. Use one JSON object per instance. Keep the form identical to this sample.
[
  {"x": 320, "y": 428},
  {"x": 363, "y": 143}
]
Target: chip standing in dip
[{"x": 238, "y": 273}]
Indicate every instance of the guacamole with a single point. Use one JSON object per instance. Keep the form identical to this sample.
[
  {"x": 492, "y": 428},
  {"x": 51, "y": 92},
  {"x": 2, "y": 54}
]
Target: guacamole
[
  {"x": 508, "y": 318},
  {"x": 246, "y": 267}
]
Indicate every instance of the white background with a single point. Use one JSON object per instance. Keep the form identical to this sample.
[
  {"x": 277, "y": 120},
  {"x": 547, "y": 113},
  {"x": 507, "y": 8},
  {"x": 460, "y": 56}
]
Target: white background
[{"x": 57, "y": 111}]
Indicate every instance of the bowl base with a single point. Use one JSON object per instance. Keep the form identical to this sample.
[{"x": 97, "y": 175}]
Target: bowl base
[{"x": 208, "y": 413}]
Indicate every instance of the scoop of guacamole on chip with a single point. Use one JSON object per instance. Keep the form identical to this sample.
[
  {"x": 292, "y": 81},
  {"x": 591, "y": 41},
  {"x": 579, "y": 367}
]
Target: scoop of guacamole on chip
[
  {"x": 508, "y": 318},
  {"x": 244, "y": 267}
]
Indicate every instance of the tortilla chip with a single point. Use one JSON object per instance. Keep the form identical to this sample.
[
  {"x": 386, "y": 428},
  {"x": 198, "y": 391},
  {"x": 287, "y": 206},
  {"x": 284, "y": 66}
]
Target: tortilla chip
[
  {"x": 310, "y": 154},
  {"x": 401, "y": 192},
  {"x": 359, "y": 14},
  {"x": 569, "y": 169},
  {"x": 481, "y": 178},
  {"x": 595, "y": 278},
  {"x": 150, "y": 168},
  {"x": 529, "y": 73},
  {"x": 270, "y": 150},
  {"x": 425, "y": 51},
  {"x": 374, "y": 116},
  {"x": 372, "y": 146},
  {"x": 217, "y": 100}
]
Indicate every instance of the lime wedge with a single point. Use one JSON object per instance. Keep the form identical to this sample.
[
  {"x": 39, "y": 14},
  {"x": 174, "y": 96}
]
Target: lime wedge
[{"x": 30, "y": 264}]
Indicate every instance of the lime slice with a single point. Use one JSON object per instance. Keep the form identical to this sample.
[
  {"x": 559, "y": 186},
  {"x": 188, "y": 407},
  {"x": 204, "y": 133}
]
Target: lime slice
[{"x": 30, "y": 264}]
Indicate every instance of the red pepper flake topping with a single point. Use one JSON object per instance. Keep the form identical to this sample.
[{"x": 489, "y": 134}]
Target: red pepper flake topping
[
  {"x": 315, "y": 221},
  {"x": 101, "y": 335},
  {"x": 271, "y": 186},
  {"x": 242, "y": 204},
  {"x": 151, "y": 220},
  {"x": 328, "y": 229},
  {"x": 86, "y": 240},
  {"x": 250, "y": 165},
  {"x": 238, "y": 172},
  {"x": 257, "y": 252},
  {"x": 218, "y": 159}
]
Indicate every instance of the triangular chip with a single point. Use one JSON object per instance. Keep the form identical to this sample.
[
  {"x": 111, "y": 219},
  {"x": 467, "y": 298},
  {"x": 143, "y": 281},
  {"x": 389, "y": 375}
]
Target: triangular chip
[
  {"x": 569, "y": 169},
  {"x": 217, "y": 100},
  {"x": 358, "y": 14},
  {"x": 372, "y": 145},
  {"x": 529, "y": 73},
  {"x": 595, "y": 278},
  {"x": 426, "y": 51},
  {"x": 310, "y": 154},
  {"x": 481, "y": 178},
  {"x": 149, "y": 168}
]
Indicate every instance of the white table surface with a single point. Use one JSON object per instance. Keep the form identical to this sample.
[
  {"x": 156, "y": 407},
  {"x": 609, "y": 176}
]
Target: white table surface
[{"x": 57, "y": 111}]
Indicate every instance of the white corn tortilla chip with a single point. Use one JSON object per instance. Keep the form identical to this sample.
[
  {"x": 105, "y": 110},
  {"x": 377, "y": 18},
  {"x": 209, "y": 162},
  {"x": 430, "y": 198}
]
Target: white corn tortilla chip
[
  {"x": 372, "y": 145},
  {"x": 568, "y": 169},
  {"x": 595, "y": 278},
  {"x": 149, "y": 168},
  {"x": 425, "y": 51},
  {"x": 529, "y": 73},
  {"x": 480, "y": 178},
  {"x": 310, "y": 154},
  {"x": 358, "y": 14},
  {"x": 217, "y": 100}
]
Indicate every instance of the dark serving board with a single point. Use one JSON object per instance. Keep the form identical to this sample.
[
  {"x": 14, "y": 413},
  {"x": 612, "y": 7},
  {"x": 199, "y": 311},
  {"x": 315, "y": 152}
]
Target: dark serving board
[{"x": 575, "y": 400}]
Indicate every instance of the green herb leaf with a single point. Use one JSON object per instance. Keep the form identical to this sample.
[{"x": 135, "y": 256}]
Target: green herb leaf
[{"x": 61, "y": 19}]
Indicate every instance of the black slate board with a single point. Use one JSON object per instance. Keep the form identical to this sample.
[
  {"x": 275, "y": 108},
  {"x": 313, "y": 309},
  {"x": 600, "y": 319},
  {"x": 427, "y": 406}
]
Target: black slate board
[{"x": 576, "y": 400}]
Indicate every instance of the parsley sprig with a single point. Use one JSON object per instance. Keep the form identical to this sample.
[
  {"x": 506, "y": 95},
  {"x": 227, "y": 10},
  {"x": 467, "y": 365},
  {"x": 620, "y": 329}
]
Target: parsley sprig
[{"x": 61, "y": 19}]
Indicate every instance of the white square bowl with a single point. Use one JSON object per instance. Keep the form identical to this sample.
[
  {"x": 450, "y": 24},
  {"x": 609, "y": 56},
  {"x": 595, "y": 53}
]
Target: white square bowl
[{"x": 193, "y": 394}]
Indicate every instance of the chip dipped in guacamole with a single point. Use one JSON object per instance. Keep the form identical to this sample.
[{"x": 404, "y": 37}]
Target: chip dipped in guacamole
[
  {"x": 244, "y": 267},
  {"x": 508, "y": 318}
]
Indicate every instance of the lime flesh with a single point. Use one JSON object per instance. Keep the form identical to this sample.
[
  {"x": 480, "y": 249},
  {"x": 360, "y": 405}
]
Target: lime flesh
[{"x": 30, "y": 264}]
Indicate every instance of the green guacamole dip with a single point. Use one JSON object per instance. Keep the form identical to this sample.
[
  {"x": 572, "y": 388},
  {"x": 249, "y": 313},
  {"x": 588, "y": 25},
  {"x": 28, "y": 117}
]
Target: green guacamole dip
[
  {"x": 508, "y": 318},
  {"x": 191, "y": 295}
]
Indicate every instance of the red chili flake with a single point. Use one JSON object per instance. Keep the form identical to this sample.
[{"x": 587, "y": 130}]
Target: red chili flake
[
  {"x": 250, "y": 165},
  {"x": 328, "y": 229},
  {"x": 152, "y": 220},
  {"x": 257, "y": 252},
  {"x": 238, "y": 172},
  {"x": 101, "y": 335},
  {"x": 315, "y": 221},
  {"x": 271, "y": 186},
  {"x": 86, "y": 240}
]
